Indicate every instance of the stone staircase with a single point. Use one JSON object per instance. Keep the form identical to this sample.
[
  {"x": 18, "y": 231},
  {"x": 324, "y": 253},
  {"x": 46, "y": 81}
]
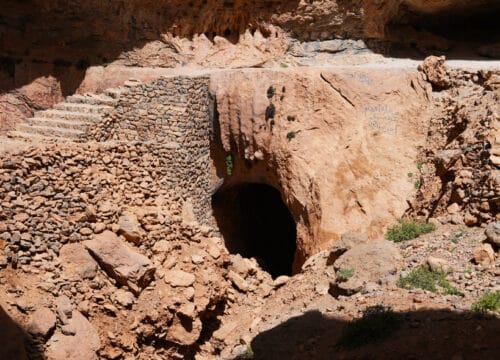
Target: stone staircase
[{"x": 67, "y": 121}]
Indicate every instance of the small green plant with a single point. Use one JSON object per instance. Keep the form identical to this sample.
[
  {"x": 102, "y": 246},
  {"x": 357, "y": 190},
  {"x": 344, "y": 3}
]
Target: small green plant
[
  {"x": 420, "y": 165},
  {"x": 229, "y": 164},
  {"x": 423, "y": 278},
  {"x": 270, "y": 92},
  {"x": 377, "y": 324},
  {"x": 249, "y": 354},
  {"x": 270, "y": 112},
  {"x": 408, "y": 229},
  {"x": 344, "y": 274},
  {"x": 291, "y": 135},
  {"x": 456, "y": 236},
  {"x": 410, "y": 174},
  {"x": 489, "y": 301},
  {"x": 283, "y": 65},
  {"x": 417, "y": 184}
]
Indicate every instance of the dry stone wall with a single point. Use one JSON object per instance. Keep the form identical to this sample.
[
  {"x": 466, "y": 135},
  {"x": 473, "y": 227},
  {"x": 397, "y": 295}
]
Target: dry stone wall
[{"x": 172, "y": 117}]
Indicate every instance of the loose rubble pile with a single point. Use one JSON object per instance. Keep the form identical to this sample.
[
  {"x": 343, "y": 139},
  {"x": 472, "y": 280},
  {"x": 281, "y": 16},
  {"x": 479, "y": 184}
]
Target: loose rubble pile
[{"x": 459, "y": 178}]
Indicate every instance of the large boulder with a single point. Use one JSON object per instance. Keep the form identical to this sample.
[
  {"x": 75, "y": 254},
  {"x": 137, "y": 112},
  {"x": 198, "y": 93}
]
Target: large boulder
[
  {"x": 121, "y": 262},
  {"x": 83, "y": 345},
  {"x": 377, "y": 262},
  {"x": 42, "y": 322}
]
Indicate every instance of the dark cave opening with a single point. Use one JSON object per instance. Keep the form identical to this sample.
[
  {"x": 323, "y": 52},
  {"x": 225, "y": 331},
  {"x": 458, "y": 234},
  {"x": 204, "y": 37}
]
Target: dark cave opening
[
  {"x": 255, "y": 222},
  {"x": 466, "y": 31}
]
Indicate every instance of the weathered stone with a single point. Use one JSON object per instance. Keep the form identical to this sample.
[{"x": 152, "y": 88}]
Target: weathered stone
[
  {"x": 130, "y": 227},
  {"x": 438, "y": 264},
  {"x": 493, "y": 233},
  {"x": 83, "y": 345},
  {"x": 77, "y": 263},
  {"x": 42, "y": 322},
  {"x": 124, "y": 298},
  {"x": 184, "y": 331},
  {"x": 179, "y": 278},
  {"x": 238, "y": 281},
  {"x": 484, "y": 254},
  {"x": 64, "y": 309},
  {"x": 377, "y": 261},
  {"x": 123, "y": 264}
]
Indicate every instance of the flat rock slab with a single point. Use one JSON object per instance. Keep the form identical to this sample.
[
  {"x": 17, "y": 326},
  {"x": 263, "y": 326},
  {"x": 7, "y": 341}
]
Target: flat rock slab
[
  {"x": 121, "y": 262},
  {"x": 377, "y": 261},
  {"x": 77, "y": 263},
  {"x": 83, "y": 345}
]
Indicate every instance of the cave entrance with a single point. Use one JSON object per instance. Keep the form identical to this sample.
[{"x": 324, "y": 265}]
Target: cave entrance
[
  {"x": 255, "y": 222},
  {"x": 467, "y": 30}
]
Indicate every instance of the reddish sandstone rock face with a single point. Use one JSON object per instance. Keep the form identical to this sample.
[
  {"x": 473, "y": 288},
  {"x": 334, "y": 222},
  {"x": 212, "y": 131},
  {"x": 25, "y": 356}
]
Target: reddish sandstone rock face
[{"x": 338, "y": 144}]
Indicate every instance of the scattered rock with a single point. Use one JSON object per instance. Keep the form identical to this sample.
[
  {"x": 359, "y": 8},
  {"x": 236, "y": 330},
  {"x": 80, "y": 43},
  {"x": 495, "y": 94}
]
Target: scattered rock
[
  {"x": 377, "y": 261},
  {"x": 179, "y": 278},
  {"x": 81, "y": 344},
  {"x": 120, "y": 262},
  {"x": 435, "y": 69},
  {"x": 493, "y": 233},
  {"x": 438, "y": 264},
  {"x": 64, "y": 309},
  {"x": 280, "y": 281},
  {"x": 124, "y": 298},
  {"x": 77, "y": 263},
  {"x": 42, "y": 322},
  {"x": 484, "y": 254},
  {"x": 238, "y": 281},
  {"x": 130, "y": 227}
]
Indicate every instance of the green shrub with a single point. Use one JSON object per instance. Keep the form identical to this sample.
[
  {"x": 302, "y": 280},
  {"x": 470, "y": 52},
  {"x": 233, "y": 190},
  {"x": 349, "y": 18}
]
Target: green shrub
[
  {"x": 408, "y": 229},
  {"x": 377, "y": 324},
  {"x": 417, "y": 184},
  {"x": 489, "y": 301},
  {"x": 229, "y": 165},
  {"x": 423, "y": 278},
  {"x": 270, "y": 92},
  {"x": 270, "y": 112},
  {"x": 344, "y": 274},
  {"x": 291, "y": 135}
]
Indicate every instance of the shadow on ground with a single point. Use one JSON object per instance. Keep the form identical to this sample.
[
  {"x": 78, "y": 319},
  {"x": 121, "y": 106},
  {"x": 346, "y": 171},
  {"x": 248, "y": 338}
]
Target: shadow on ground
[
  {"x": 420, "y": 335},
  {"x": 15, "y": 343}
]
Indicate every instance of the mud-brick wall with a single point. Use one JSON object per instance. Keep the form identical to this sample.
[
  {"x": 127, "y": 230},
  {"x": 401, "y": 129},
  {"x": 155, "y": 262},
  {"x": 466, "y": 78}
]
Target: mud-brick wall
[{"x": 172, "y": 116}]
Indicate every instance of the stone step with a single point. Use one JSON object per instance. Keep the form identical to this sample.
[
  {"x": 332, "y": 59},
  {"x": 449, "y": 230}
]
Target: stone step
[
  {"x": 21, "y": 135},
  {"x": 49, "y": 131},
  {"x": 70, "y": 115},
  {"x": 58, "y": 123},
  {"x": 113, "y": 92},
  {"x": 85, "y": 108},
  {"x": 91, "y": 100}
]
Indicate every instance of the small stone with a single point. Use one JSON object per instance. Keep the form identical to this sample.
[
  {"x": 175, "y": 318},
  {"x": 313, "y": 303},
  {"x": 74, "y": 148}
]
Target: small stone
[
  {"x": 85, "y": 231},
  {"x": 280, "y": 281},
  {"x": 197, "y": 259},
  {"x": 238, "y": 281},
  {"x": 124, "y": 298},
  {"x": 179, "y": 278},
  {"x": 438, "y": 264},
  {"x": 130, "y": 227},
  {"x": 99, "y": 227},
  {"x": 493, "y": 233},
  {"x": 484, "y": 254}
]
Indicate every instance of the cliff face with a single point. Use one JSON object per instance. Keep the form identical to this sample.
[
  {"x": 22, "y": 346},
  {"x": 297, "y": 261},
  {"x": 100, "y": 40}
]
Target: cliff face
[{"x": 48, "y": 46}]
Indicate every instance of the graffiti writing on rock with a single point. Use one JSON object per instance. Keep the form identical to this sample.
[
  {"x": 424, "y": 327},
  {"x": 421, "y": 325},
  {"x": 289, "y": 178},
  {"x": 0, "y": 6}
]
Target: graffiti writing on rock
[{"x": 382, "y": 117}]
